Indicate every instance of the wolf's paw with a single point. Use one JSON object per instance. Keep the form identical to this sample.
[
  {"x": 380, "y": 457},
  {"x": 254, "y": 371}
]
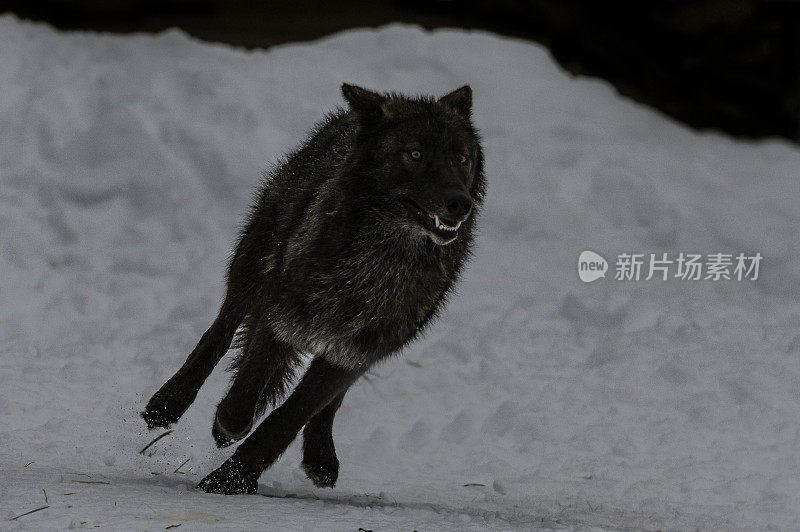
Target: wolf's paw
[
  {"x": 322, "y": 470},
  {"x": 224, "y": 433},
  {"x": 230, "y": 479},
  {"x": 158, "y": 416},
  {"x": 167, "y": 406}
]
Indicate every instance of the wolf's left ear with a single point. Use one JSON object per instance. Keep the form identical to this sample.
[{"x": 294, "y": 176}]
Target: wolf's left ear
[
  {"x": 459, "y": 101},
  {"x": 366, "y": 103}
]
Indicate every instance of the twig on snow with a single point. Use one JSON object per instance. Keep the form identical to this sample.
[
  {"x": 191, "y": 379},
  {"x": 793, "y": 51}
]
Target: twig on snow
[
  {"x": 155, "y": 440},
  {"x": 178, "y": 470},
  {"x": 29, "y": 513}
]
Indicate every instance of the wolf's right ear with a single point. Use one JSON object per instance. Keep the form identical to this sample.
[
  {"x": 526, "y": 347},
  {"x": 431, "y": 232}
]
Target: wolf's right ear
[
  {"x": 366, "y": 103},
  {"x": 459, "y": 101}
]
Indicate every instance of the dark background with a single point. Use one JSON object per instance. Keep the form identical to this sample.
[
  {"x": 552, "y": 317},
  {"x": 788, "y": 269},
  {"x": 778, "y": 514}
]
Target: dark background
[{"x": 732, "y": 65}]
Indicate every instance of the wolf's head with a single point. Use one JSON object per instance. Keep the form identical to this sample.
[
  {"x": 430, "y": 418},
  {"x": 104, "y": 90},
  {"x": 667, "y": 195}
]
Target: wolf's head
[{"x": 418, "y": 160}]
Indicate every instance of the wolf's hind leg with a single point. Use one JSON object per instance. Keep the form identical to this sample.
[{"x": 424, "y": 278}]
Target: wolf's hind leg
[
  {"x": 319, "y": 454},
  {"x": 262, "y": 372},
  {"x": 321, "y": 384},
  {"x": 170, "y": 402}
]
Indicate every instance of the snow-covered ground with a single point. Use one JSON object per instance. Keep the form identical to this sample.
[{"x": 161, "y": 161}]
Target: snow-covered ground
[{"x": 537, "y": 401}]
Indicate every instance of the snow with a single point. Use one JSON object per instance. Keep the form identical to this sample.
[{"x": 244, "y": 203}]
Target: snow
[{"x": 537, "y": 401}]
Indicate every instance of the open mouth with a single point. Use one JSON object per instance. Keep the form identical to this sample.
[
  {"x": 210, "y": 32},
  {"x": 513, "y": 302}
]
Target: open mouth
[{"x": 440, "y": 227}]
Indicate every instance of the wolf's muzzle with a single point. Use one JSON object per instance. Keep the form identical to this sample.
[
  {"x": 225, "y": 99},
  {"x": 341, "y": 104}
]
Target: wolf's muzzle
[{"x": 458, "y": 205}]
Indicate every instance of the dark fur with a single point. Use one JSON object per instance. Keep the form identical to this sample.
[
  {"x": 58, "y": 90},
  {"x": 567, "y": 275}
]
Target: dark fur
[{"x": 339, "y": 258}]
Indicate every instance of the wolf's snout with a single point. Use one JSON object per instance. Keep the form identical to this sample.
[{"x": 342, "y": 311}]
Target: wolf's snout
[{"x": 458, "y": 205}]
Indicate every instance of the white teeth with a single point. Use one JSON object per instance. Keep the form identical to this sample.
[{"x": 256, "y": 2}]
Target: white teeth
[{"x": 443, "y": 226}]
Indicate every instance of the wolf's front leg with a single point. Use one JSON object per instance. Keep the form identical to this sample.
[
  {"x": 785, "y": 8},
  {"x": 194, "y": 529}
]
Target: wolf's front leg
[{"x": 321, "y": 384}]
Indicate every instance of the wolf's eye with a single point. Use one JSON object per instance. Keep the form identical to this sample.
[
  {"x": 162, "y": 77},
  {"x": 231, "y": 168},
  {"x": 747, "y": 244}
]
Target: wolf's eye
[
  {"x": 415, "y": 154},
  {"x": 464, "y": 160}
]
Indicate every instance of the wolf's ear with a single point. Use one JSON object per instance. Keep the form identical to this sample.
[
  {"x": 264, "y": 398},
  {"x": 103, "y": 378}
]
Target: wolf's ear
[
  {"x": 365, "y": 103},
  {"x": 459, "y": 101}
]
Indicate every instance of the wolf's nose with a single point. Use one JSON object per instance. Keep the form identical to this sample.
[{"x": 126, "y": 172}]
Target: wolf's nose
[{"x": 458, "y": 205}]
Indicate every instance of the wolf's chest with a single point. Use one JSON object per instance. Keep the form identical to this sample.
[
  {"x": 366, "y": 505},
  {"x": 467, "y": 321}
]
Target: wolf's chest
[
  {"x": 398, "y": 288},
  {"x": 361, "y": 306}
]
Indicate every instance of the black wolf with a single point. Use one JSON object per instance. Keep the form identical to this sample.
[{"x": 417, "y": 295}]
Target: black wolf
[{"x": 351, "y": 247}]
